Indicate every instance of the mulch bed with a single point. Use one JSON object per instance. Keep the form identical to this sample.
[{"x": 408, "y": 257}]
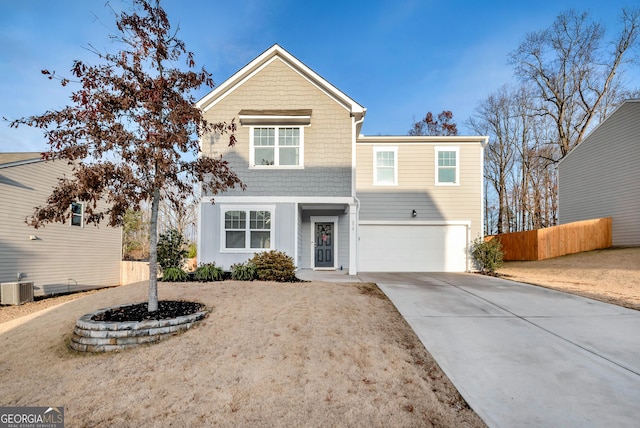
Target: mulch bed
[{"x": 167, "y": 309}]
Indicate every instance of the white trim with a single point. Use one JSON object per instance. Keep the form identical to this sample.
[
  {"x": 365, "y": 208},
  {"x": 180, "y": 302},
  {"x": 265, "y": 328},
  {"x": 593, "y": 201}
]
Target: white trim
[
  {"x": 247, "y": 209},
  {"x": 199, "y": 243},
  {"x": 231, "y": 84},
  {"x": 417, "y": 223},
  {"x": 276, "y": 147},
  {"x": 316, "y": 200},
  {"x": 22, "y": 162},
  {"x": 482, "y": 196},
  {"x": 262, "y": 61},
  {"x": 410, "y": 139},
  {"x": 353, "y": 239},
  {"x": 439, "y": 149},
  {"x": 296, "y": 225},
  {"x": 324, "y": 219},
  {"x": 383, "y": 149},
  {"x": 81, "y": 225}
]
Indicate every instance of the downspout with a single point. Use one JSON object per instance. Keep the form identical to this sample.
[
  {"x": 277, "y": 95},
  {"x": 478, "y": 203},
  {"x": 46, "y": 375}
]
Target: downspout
[
  {"x": 483, "y": 145},
  {"x": 353, "y": 191}
]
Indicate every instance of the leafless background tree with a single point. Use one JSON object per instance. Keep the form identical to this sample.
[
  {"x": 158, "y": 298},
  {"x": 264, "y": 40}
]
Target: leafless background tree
[{"x": 570, "y": 80}]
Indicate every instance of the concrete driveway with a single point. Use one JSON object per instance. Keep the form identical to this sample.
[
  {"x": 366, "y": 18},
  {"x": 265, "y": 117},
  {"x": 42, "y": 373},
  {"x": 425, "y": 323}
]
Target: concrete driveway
[{"x": 523, "y": 355}]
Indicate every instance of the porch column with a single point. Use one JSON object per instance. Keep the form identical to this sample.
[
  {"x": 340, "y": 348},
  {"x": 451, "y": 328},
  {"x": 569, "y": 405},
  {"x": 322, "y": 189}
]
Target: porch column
[{"x": 353, "y": 239}]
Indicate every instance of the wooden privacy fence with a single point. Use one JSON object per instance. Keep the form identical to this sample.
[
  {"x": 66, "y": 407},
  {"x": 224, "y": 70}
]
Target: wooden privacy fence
[
  {"x": 556, "y": 241},
  {"x": 131, "y": 272}
]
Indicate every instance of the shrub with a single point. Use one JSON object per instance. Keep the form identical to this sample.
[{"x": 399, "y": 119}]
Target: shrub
[
  {"x": 192, "y": 251},
  {"x": 243, "y": 271},
  {"x": 209, "y": 272},
  {"x": 174, "y": 274},
  {"x": 171, "y": 249},
  {"x": 487, "y": 255},
  {"x": 274, "y": 266}
]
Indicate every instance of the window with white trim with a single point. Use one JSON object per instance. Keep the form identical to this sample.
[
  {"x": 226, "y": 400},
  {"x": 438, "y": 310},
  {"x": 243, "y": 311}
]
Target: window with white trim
[
  {"x": 277, "y": 147},
  {"x": 447, "y": 166},
  {"x": 247, "y": 229},
  {"x": 77, "y": 211},
  {"x": 385, "y": 166}
]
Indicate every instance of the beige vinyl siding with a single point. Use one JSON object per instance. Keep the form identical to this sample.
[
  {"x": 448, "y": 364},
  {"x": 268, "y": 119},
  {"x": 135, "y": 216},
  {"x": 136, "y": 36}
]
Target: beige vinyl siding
[
  {"x": 601, "y": 176},
  {"x": 416, "y": 189},
  {"x": 63, "y": 257},
  {"x": 327, "y": 140}
]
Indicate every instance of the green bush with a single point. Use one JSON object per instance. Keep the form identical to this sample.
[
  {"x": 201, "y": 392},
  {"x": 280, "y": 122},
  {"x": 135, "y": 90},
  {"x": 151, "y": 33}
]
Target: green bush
[
  {"x": 274, "y": 266},
  {"x": 487, "y": 255},
  {"x": 243, "y": 271},
  {"x": 192, "y": 251},
  {"x": 174, "y": 274},
  {"x": 209, "y": 272},
  {"x": 171, "y": 249}
]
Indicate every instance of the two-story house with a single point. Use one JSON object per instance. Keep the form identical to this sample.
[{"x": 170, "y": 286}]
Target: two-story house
[
  {"x": 324, "y": 194},
  {"x": 60, "y": 257}
]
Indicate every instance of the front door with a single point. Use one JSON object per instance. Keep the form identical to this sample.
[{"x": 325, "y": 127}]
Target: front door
[{"x": 324, "y": 245}]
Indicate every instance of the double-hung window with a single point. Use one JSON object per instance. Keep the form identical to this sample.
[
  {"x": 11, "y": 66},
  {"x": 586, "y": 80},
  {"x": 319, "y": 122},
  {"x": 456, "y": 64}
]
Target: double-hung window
[
  {"x": 385, "y": 166},
  {"x": 76, "y": 214},
  {"x": 447, "y": 166},
  {"x": 277, "y": 147},
  {"x": 247, "y": 229}
]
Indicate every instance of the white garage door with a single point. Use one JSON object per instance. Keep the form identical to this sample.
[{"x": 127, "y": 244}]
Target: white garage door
[{"x": 411, "y": 248}]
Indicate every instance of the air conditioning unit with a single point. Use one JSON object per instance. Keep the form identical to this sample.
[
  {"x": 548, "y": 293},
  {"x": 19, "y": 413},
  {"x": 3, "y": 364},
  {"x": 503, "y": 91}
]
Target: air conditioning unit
[{"x": 16, "y": 293}]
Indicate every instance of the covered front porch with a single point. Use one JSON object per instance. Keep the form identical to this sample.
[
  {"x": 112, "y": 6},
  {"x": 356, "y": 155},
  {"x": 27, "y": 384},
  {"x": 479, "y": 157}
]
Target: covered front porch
[{"x": 327, "y": 236}]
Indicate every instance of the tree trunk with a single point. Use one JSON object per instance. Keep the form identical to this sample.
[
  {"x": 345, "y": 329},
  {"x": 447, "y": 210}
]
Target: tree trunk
[{"x": 153, "y": 252}]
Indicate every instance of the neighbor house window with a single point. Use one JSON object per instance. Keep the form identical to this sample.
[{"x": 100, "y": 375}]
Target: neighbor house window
[
  {"x": 247, "y": 229},
  {"x": 447, "y": 171},
  {"x": 385, "y": 166},
  {"x": 76, "y": 214},
  {"x": 277, "y": 147}
]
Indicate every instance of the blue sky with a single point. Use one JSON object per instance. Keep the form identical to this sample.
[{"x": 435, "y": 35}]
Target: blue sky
[{"x": 399, "y": 59}]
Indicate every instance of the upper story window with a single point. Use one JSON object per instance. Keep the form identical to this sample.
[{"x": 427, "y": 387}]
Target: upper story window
[
  {"x": 385, "y": 166},
  {"x": 277, "y": 147},
  {"x": 247, "y": 229},
  {"x": 447, "y": 166},
  {"x": 76, "y": 214}
]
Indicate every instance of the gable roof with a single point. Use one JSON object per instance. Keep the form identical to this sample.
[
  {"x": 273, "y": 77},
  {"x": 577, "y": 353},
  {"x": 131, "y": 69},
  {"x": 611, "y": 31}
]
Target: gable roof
[
  {"x": 264, "y": 59},
  {"x": 18, "y": 158},
  {"x": 626, "y": 104}
]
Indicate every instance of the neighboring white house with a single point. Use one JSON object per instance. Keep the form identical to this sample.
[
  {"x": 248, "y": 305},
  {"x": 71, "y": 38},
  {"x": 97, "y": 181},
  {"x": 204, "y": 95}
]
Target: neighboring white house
[
  {"x": 57, "y": 258},
  {"x": 600, "y": 177},
  {"x": 326, "y": 195}
]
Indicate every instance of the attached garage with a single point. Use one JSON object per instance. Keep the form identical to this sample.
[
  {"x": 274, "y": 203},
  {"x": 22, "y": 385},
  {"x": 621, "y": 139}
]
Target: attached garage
[{"x": 411, "y": 247}]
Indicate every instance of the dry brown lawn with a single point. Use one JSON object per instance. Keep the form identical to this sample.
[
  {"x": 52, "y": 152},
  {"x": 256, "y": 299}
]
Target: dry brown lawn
[
  {"x": 269, "y": 354},
  {"x": 306, "y": 354},
  {"x": 611, "y": 275}
]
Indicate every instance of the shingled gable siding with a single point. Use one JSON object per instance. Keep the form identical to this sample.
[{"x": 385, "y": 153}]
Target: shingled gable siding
[
  {"x": 62, "y": 258},
  {"x": 416, "y": 188},
  {"x": 327, "y": 140},
  {"x": 601, "y": 176}
]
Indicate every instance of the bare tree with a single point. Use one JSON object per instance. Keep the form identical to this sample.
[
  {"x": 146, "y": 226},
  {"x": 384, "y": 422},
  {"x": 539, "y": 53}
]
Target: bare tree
[
  {"x": 574, "y": 71},
  {"x": 131, "y": 122},
  {"x": 494, "y": 117}
]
